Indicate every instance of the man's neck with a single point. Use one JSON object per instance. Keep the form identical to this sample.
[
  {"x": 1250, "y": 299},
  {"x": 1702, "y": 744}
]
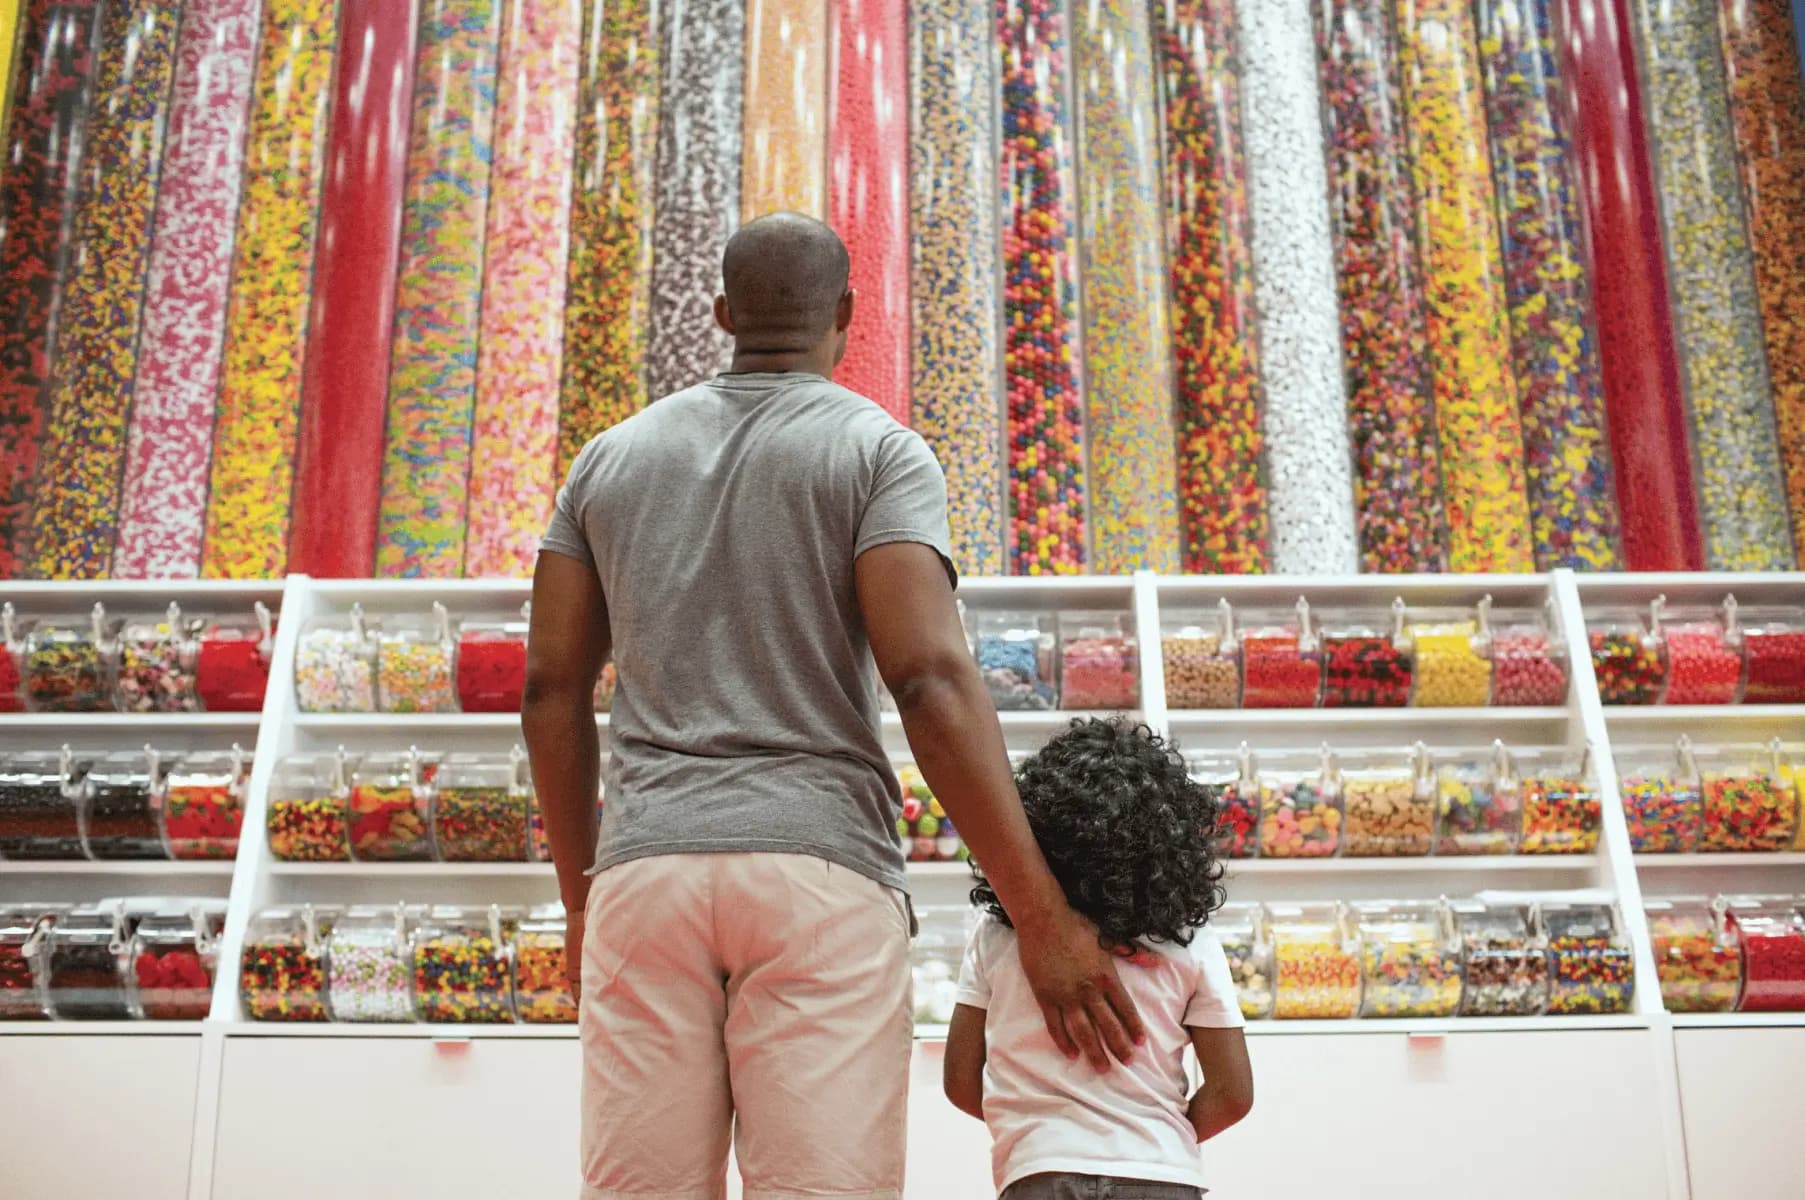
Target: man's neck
[{"x": 754, "y": 362}]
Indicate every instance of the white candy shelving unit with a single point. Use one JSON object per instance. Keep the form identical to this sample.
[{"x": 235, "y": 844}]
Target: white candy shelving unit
[{"x": 1557, "y": 1106}]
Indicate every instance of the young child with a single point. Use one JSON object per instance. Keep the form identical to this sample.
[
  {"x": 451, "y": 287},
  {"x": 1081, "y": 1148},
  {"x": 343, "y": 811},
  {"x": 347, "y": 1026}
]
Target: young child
[{"x": 1128, "y": 835}]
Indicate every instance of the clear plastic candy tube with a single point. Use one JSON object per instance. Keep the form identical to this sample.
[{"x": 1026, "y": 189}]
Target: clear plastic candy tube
[
  {"x": 1479, "y": 426},
  {"x": 1215, "y": 343},
  {"x": 432, "y": 374},
  {"x": 1041, "y": 350},
  {"x": 1309, "y": 477},
  {"x": 258, "y": 418},
  {"x": 698, "y": 188},
  {"x": 1128, "y": 384},
  {"x": 1397, "y": 474},
  {"x": 1767, "y": 112},
  {"x": 1566, "y": 447},
  {"x": 514, "y": 444},
  {"x": 1742, "y": 501},
  {"x": 163, "y": 500},
  {"x": 783, "y": 156},
  {"x": 96, "y": 353},
  {"x": 868, "y": 166},
  {"x": 37, "y": 200},
  {"x": 954, "y": 293},
  {"x": 610, "y": 280}
]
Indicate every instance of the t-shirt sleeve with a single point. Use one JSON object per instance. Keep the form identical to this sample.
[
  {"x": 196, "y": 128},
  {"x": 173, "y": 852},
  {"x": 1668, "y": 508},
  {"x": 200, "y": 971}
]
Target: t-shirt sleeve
[
  {"x": 974, "y": 972},
  {"x": 908, "y": 499},
  {"x": 1214, "y": 1005},
  {"x": 564, "y": 535}
]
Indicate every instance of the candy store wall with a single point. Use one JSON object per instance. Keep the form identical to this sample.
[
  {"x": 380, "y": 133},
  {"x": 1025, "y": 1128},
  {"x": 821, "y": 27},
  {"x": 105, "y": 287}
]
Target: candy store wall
[{"x": 1311, "y": 286}]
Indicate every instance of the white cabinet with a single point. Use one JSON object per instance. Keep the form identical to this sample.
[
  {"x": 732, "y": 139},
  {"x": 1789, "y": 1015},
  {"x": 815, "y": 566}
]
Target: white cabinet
[{"x": 1741, "y": 1093}]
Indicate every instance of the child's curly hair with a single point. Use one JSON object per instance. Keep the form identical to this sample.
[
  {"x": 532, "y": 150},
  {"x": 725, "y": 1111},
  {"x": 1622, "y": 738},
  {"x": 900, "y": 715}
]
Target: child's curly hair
[{"x": 1127, "y": 832}]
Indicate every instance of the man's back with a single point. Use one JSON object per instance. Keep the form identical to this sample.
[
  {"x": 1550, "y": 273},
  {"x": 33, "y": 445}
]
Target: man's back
[{"x": 724, "y": 522}]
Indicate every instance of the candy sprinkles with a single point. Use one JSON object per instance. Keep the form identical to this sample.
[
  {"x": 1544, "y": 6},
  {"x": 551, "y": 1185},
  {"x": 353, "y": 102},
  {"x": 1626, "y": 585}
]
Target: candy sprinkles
[
  {"x": 953, "y": 290},
  {"x": 1311, "y": 482}
]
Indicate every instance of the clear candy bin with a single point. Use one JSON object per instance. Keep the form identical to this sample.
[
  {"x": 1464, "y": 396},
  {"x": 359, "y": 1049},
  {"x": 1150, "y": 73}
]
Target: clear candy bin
[
  {"x": 1409, "y": 959},
  {"x": 1016, "y": 653},
  {"x": 1241, "y": 930},
  {"x": 934, "y": 959},
  {"x": 1201, "y": 667},
  {"x": 1099, "y": 666}
]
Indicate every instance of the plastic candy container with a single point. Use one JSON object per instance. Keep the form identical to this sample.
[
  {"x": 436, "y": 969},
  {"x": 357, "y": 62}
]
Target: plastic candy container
[
  {"x": 605, "y": 685},
  {"x": 1561, "y": 809},
  {"x": 1409, "y": 959},
  {"x": 1098, "y": 663},
  {"x": 391, "y": 807},
  {"x": 1748, "y": 805},
  {"x": 927, "y": 835},
  {"x": 282, "y": 975},
  {"x": 1201, "y": 668},
  {"x": 1230, "y": 782},
  {"x": 1452, "y": 670},
  {"x": 462, "y": 970},
  {"x": 307, "y": 798},
  {"x": 1365, "y": 660},
  {"x": 1628, "y": 660},
  {"x": 120, "y": 814},
  {"x": 1529, "y": 665},
  {"x": 68, "y": 667},
  {"x": 174, "y": 954},
  {"x": 1773, "y": 953},
  {"x": 1316, "y": 961},
  {"x": 1389, "y": 803},
  {"x": 86, "y": 960},
  {"x": 1479, "y": 804},
  {"x": 934, "y": 958},
  {"x": 1704, "y": 657},
  {"x": 1504, "y": 959},
  {"x": 1773, "y": 641},
  {"x": 1698, "y": 955},
  {"x": 1794, "y": 770},
  {"x": 200, "y": 807},
  {"x": 414, "y": 670},
  {"x": 1589, "y": 965},
  {"x": 23, "y": 931},
  {"x": 542, "y": 994},
  {"x": 12, "y": 649},
  {"x": 335, "y": 665},
  {"x": 491, "y": 665},
  {"x": 1015, "y": 655},
  {"x": 1241, "y": 928},
  {"x": 1661, "y": 799},
  {"x": 157, "y": 663},
  {"x": 480, "y": 808},
  {"x": 232, "y": 665},
  {"x": 1300, "y": 807},
  {"x": 40, "y": 806},
  {"x": 368, "y": 965},
  {"x": 1281, "y": 660}
]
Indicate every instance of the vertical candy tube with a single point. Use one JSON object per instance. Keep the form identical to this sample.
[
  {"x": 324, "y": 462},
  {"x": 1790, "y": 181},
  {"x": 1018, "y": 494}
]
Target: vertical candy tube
[
  {"x": 1397, "y": 475},
  {"x": 1128, "y": 385},
  {"x": 610, "y": 279},
  {"x": 77, "y": 491},
  {"x": 1572, "y": 505},
  {"x": 953, "y": 292},
  {"x": 272, "y": 277},
  {"x": 784, "y": 151},
  {"x": 9, "y": 47},
  {"x": 163, "y": 503},
  {"x": 1045, "y": 415},
  {"x": 1479, "y": 424},
  {"x": 869, "y": 165},
  {"x": 514, "y": 452},
  {"x": 1717, "y": 311},
  {"x": 1643, "y": 400},
  {"x": 1767, "y": 108},
  {"x": 52, "y": 91},
  {"x": 1215, "y": 353},
  {"x": 698, "y": 188},
  {"x": 438, "y": 297},
  {"x": 1310, "y": 477}
]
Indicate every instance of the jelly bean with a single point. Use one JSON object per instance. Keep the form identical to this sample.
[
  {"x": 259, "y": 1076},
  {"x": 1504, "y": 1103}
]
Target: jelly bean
[
  {"x": 163, "y": 500},
  {"x": 1317, "y": 977},
  {"x": 415, "y": 676},
  {"x": 1198, "y": 673},
  {"x": 1746, "y": 813},
  {"x": 1386, "y": 816},
  {"x": 1215, "y": 350},
  {"x": 1300, "y": 819},
  {"x": 1776, "y": 666},
  {"x": 389, "y": 823},
  {"x": 954, "y": 284},
  {"x": 1479, "y": 814},
  {"x": 1698, "y": 970},
  {"x": 783, "y": 155},
  {"x": 282, "y": 982},
  {"x": 1505, "y": 974},
  {"x": 1526, "y": 670},
  {"x": 479, "y": 824},
  {"x": 1702, "y": 666},
  {"x": 1629, "y": 668},
  {"x": 1561, "y": 815},
  {"x": 461, "y": 979},
  {"x": 1663, "y": 812},
  {"x": 367, "y": 975},
  {"x": 541, "y": 989},
  {"x": 1407, "y": 972},
  {"x": 308, "y": 829},
  {"x": 1279, "y": 672},
  {"x": 1450, "y": 670},
  {"x": 1237, "y": 820},
  {"x": 1363, "y": 670},
  {"x": 1099, "y": 672},
  {"x": 1588, "y": 975},
  {"x": 335, "y": 672}
]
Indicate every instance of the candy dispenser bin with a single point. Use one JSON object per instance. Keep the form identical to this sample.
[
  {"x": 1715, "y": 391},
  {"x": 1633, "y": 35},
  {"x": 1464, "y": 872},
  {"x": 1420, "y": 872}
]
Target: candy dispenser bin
[
  {"x": 1504, "y": 960},
  {"x": 368, "y": 965},
  {"x": 40, "y": 805},
  {"x": 1098, "y": 663},
  {"x": 335, "y": 664},
  {"x": 1300, "y": 805},
  {"x": 1453, "y": 667},
  {"x": 1590, "y": 967},
  {"x": 1479, "y": 803},
  {"x": 1698, "y": 953},
  {"x": 1247, "y": 943},
  {"x": 491, "y": 663},
  {"x": 1529, "y": 659},
  {"x": 1231, "y": 781},
  {"x": 542, "y": 993},
  {"x": 1773, "y": 952},
  {"x": 23, "y": 930},
  {"x": 1773, "y": 641},
  {"x": 232, "y": 663},
  {"x": 391, "y": 807},
  {"x": 174, "y": 954},
  {"x": 1281, "y": 659},
  {"x": 462, "y": 966},
  {"x": 282, "y": 971},
  {"x": 1562, "y": 813},
  {"x": 119, "y": 807},
  {"x": 12, "y": 652},
  {"x": 1628, "y": 659},
  {"x": 926, "y": 832},
  {"x": 1366, "y": 659},
  {"x": 86, "y": 965},
  {"x": 1016, "y": 653},
  {"x": 415, "y": 664},
  {"x": 1389, "y": 803},
  {"x": 1410, "y": 962},
  {"x": 480, "y": 808},
  {"x": 1748, "y": 805},
  {"x": 1316, "y": 961},
  {"x": 934, "y": 958},
  {"x": 1704, "y": 653},
  {"x": 306, "y": 817},
  {"x": 1662, "y": 805},
  {"x": 68, "y": 666},
  {"x": 158, "y": 659},
  {"x": 1198, "y": 653},
  {"x": 200, "y": 807}
]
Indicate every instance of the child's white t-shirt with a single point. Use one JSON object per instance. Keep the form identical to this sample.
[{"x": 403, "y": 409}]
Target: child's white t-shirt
[{"x": 1047, "y": 1113}]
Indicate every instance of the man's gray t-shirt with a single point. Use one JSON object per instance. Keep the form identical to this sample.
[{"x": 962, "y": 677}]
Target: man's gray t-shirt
[{"x": 723, "y": 522}]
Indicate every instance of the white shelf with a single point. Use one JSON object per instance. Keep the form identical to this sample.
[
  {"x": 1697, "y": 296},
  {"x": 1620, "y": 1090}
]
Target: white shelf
[
  {"x": 1329, "y": 719},
  {"x": 213, "y": 869},
  {"x": 1477, "y": 864},
  {"x": 439, "y": 1033},
  {"x": 1436, "y": 1026},
  {"x": 147, "y": 723},
  {"x": 411, "y": 722},
  {"x": 411, "y": 870},
  {"x": 1699, "y": 714},
  {"x": 1737, "y": 1020},
  {"x": 1709, "y": 862},
  {"x": 100, "y": 1028}
]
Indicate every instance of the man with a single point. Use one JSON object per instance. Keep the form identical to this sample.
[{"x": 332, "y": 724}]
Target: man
[{"x": 738, "y": 927}]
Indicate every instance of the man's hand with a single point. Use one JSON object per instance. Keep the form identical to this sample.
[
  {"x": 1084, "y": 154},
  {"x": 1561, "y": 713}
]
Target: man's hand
[
  {"x": 573, "y": 952},
  {"x": 1087, "y": 1010}
]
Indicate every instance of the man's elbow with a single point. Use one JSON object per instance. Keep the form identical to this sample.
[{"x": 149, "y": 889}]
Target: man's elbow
[
  {"x": 549, "y": 690},
  {"x": 931, "y": 683}
]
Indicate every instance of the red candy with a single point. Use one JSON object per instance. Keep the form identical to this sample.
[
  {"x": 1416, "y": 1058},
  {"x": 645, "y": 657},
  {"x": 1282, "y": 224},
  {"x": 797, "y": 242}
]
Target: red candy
[
  {"x": 491, "y": 671},
  {"x": 173, "y": 985},
  {"x": 1525, "y": 672},
  {"x": 1776, "y": 667},
  {"x": 232, "y": 672},
  {"x": 1278, "y": 673},
  {"x": 1702, "y": 667},
  {"x": 1773, "y": 962}
]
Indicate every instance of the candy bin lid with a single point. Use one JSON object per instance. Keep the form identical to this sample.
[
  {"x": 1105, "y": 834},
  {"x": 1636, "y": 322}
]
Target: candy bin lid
[
  {"x": 293, "y": 925},
  {"x": 1536, "y": 624},
  {"x": 1623, "y": 619},
  {"x": 1100, "y": 623},
  {"x": 1220, "y": 768},
  {"x": 543, "y": 918},
  {"x": 1217, "y": 622},
  {"x": 1320, "y": 918},
  {"x": 106, "y": 922},
  {"x": 1449, "y": 619},
  {"x": 1497, "y": 918},
  {"x": 1394, "y": 919},
  {"x": 1742, "y": 760},
  {"x": 95, "y": 627},
  {"x": 1243, "y": 917},
  {"x": 184, "y": 921},
  {"x": 13, "y": 628},
  {"x": 1367, "y": 622},
  {"x": 478, "y": 770},
  {"x": 1769, "y": 906},
  {"x": 1292, "y": 764},
  {"x": 354, "y": 620},
  {"x": 1725, "y": 615},
  {"x": 497, "y": 626},
  {"x": 1580, "y": 919},
  {"x": 1769, "y": 618},
  {"x": 258, "y": 625},
  {"x": 1553, "y": 762},
  {"x": 1258, "y": 624},
  {"x": 433, "y": 626}
]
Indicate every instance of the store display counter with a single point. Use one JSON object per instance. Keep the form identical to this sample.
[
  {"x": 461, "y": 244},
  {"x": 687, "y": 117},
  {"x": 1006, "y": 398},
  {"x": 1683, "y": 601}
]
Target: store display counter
[{"x": 1740, "y": 1094}]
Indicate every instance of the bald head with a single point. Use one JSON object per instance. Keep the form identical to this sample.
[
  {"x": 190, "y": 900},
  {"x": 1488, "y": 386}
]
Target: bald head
[{"x": 784, "y": 279}]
